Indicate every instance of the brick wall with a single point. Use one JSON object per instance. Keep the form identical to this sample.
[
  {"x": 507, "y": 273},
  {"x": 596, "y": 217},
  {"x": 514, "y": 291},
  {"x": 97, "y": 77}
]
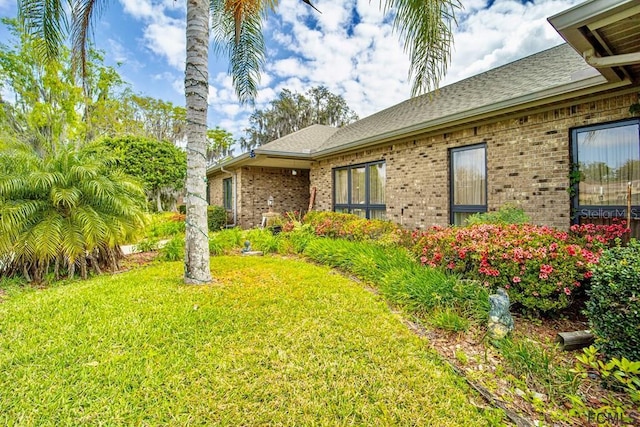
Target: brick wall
[
  {"x": 528, "y": 161},
  {"x": 255, "y": 185}
]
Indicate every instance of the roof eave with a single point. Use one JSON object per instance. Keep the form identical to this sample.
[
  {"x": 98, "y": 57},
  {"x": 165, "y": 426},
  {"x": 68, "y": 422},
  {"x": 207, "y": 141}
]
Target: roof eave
[{"x": 535, "y": 99}]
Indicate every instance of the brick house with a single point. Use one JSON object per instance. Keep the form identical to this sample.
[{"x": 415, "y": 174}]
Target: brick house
[{"x": 552, "y": 133}]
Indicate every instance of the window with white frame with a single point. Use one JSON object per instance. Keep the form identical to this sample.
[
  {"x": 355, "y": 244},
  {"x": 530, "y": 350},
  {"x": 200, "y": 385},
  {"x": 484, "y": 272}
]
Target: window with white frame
[
  {"x": 468, "y": 181},
  {"x": 360, "y": 190}
]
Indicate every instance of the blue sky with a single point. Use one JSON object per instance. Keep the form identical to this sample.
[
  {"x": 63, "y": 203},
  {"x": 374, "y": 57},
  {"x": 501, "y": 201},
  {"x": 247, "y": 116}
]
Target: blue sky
[{"x": 349, "y": 48}]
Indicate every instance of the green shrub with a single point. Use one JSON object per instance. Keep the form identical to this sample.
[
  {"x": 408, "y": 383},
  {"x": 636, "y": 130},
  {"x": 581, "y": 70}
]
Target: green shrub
[
  {"x": 613, "y": 307},
  {"x": 166, "y": 225},
  {"x": 182, "y": 209},
  {"x": 262, "y": 239},
  {"x": 173, "y": 250},
  {"x": 353, "y": 227},
  {"x": 507, "y": 214},
  {"x": 225, "y": 241},
  {"x": 296, "y": 240},
  {"x": 216, "y": 218},
  {"x": 147, "y": 245}
]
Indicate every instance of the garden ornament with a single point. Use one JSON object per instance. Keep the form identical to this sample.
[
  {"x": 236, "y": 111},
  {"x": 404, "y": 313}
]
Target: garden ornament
[
  {"x": 500, "y": 320},
  {"x": 247, "y": 247}
]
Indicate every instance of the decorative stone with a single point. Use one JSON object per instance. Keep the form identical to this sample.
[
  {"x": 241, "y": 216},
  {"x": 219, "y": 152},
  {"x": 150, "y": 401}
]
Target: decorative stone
[{"x": 500, "y": 320}]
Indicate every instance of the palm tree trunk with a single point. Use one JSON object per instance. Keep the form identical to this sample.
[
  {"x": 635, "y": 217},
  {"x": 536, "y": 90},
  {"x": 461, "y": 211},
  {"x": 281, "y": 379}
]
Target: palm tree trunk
[
  {"x": 196, "y": 87},
  {"x": 158, "y": 200}
]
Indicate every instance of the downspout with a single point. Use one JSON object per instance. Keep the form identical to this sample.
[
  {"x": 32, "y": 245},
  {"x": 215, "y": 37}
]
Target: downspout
[{"x": 234, "y": 177}]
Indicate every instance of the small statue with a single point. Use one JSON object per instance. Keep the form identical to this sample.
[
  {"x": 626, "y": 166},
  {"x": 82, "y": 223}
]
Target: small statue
[
  {"x": 247, "y": 247},
  {"x": 500, "y": 320}
]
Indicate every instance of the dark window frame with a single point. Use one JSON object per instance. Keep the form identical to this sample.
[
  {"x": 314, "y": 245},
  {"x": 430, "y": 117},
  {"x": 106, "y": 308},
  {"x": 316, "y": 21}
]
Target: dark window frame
[
  {"x": 595, "y": 211},
  {"x": 227, "y": 193},
  {"x": 454, "y": 209},
  {"x": 349, "y": 206}
]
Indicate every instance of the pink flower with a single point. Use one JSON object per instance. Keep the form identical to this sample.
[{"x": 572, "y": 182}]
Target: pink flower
[
  {"x": 588, "y": 275},
  {"x": 516, "y": 279},
  {"x": 451, "y": 265},
  {"x": 546, "y": 269},
  {"x": 567, "y": 291}
]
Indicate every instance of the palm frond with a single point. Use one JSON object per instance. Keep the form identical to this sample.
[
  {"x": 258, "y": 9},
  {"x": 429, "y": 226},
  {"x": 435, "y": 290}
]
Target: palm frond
[
  {"x": 83, "y": 11},
  {"x": 46, "y": 22},
  {"x": 425, "y": 27}
]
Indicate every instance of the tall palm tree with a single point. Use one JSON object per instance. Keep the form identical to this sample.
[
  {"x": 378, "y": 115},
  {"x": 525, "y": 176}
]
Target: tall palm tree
[{"x": 423, "y": 25}]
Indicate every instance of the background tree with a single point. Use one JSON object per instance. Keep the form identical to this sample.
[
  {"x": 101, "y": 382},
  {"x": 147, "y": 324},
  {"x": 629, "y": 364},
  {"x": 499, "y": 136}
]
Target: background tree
[
  {"x": 159, "y": 165},
  {"x": 424, "y": 28},
  {"x": 219, "y": 144},
  {"x": 64, "y": 209},
  {"x": 291, "y": 112}
]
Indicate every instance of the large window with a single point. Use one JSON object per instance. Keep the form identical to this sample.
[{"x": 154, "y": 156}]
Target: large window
[
  {"x": 360, "y": 190},
  {"x": 468, "y": 182},
  {"x": 606, "y": 166},
  {"x": 227, "y": 193}
]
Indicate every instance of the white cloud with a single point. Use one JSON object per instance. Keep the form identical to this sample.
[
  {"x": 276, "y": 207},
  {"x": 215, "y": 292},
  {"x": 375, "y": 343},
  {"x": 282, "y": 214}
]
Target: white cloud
[
  {"x": 168, "y": 40},
  {"x": 361, "y": 60}
]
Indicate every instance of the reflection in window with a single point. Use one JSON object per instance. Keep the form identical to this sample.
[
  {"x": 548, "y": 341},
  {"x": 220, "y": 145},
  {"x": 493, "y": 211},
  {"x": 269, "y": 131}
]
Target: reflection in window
[
  {"x": 606, "y": 165},
  {"x": 468, "y": 182},
  {"x": 360, "y": 190},
  {"x": 227, "y": 193},
  {"x": 608, "y": 159}
]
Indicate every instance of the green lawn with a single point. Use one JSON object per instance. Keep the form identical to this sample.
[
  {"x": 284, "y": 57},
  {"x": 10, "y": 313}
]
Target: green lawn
[{"x": 273, "y": 342}]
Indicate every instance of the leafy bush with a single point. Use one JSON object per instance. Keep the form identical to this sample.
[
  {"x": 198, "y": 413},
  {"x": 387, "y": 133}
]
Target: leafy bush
[
  {"x": 541, "y": 267},
  {"x": 216, "y": 218},
  {"x": 226, "y": 240},
  {"x": 165, "y": 225},
  {"x": 352, "y": 227},
  {"x": 613, "y": 307},
  {"x": 182, "y": 209},
  {"x": 296, "y": 239},
  {"x": 173, "y": 250},
  {"x": 507, "y": 214},
  {"x": 262, "y": 239},
  {"x": 147, "y": 245}
]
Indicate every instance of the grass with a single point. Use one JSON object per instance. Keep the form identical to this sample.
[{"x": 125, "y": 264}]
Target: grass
[{"x": 273, "y": 342}]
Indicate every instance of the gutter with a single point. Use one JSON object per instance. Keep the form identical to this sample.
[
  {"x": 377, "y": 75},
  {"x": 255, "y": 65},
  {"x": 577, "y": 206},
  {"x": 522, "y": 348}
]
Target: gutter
[{"x": 234, "y": 177}]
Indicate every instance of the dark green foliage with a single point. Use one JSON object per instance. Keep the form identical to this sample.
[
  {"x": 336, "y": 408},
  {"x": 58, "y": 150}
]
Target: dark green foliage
[
  {"x": 216, "y": 218},
  {"x": 613, "y": 307},
  {"x": 160, "y": 165},
  {"x": 182, "y": 209}
]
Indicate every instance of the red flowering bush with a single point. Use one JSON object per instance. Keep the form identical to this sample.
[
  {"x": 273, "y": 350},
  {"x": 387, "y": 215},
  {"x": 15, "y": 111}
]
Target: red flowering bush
[{"x": 541, "y": 267}]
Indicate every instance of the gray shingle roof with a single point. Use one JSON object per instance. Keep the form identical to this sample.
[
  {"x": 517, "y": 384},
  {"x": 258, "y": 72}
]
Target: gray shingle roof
[
  {"x": 303, "y": 141},
  {"x": 540, "y": 72}
]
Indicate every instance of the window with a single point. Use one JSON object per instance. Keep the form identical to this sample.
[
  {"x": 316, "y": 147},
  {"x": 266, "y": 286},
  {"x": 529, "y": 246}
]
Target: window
[
  {"x": 468, "y": 182},
  {"x": 227, "y": 193},
  {"x": 606, "y": 162},
  {"x": 360, "y": 190}
]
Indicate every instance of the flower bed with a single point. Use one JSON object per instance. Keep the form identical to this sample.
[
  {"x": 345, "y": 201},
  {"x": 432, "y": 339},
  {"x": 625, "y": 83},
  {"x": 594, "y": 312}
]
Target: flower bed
[{"x": 541, "y": 267}]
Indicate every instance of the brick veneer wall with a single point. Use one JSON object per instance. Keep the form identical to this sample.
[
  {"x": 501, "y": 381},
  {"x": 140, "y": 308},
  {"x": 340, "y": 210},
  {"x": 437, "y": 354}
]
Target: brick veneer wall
[
  {"x": 528, "y": 162},
  {"x": 255, "y": 185}
]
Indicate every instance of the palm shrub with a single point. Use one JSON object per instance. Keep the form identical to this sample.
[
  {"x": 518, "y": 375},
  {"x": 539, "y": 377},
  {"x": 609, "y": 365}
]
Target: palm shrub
[{"x": 69, "y": 208}]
